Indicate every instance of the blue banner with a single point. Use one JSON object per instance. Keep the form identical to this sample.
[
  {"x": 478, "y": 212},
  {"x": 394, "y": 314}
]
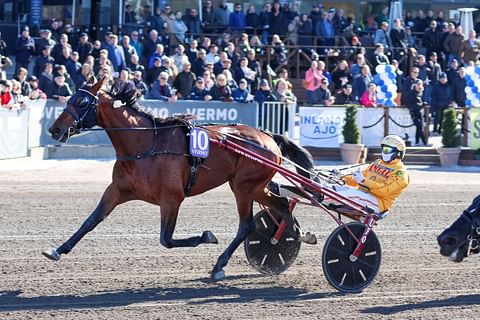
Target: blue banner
[{"x": 36, "y": 12}]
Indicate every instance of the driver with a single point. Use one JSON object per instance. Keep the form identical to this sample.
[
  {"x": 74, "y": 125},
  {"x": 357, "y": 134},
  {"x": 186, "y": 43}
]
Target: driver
[{"x": 378, "y": 186}]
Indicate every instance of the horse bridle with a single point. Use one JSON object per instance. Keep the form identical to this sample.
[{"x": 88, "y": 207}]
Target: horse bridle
[
  {"x": 474, "y": 237},
  {"x": 83, "y": 117}
]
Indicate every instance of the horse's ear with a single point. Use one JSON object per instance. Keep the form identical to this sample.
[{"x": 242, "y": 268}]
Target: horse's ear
[
  {"x": 91, "y": 81},
  {"x": 94, "y": 89}
]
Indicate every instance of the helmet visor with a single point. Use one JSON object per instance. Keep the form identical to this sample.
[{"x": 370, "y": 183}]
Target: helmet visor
[{"x": 387, "y": 149}]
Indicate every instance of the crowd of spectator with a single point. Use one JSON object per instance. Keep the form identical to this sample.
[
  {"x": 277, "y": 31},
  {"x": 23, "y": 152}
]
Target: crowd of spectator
[{"x": 216, "y": 58}]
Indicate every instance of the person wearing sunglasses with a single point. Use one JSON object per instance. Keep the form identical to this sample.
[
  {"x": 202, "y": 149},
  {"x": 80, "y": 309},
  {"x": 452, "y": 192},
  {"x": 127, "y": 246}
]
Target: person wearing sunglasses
[{"x": 378, "y": 186}]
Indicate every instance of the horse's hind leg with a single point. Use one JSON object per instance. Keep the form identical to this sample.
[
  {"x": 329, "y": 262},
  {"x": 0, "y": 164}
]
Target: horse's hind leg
[
  {"x": 246, "y": 226},
  {"x": 110, "y": 199},
  {"x": 169, "y": 214}
]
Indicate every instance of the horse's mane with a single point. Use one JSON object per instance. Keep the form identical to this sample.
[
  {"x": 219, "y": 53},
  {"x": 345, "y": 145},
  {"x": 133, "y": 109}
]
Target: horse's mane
[{"x": 127, "y": 93}]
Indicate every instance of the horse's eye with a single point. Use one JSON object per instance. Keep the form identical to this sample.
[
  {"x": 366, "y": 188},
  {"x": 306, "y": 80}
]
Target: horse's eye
[{"x": 82, "y": 103}]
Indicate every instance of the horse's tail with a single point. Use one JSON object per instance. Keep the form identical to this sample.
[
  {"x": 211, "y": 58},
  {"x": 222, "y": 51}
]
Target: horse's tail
[{"x": 295, "y": 153}]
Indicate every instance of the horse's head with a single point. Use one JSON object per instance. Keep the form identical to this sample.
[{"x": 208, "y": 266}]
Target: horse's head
[
  {"x": 463, "y": 236},
  {"x": 79, "y": 113}
]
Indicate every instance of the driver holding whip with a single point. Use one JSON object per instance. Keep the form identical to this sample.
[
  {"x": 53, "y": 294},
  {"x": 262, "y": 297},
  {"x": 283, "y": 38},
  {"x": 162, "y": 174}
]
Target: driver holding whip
[{"x": 378, "y": 186}]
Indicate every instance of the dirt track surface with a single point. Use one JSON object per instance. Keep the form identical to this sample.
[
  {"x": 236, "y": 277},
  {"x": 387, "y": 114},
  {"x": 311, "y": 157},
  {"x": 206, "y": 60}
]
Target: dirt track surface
[{"x": 120, "y": 271}]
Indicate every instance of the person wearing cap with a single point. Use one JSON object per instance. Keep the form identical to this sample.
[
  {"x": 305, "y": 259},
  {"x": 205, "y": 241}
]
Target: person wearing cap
[
  {"x": 73, "y": 66},
  {"x": 45, "y": 81},
  {"x": 184, "y": 81},
  {"x": 414, "y": 102},
  {"x": 61, "y": 91},
  {"x": 198, "y": 92},
  {"x": 264, "y": 93},
  {"x": 322, "y": 95},
  {"x": 84, "y": 47},
  {"x": 344, "y": 96},
  {"x": 24, "y": 49},
  {"x": 441, "y": 98},
  {"x": 35, "y": 92},
  {"x": 152, "y": 73},
  {"x": 242, "y": 94},
  {"x": 45, "y": 40},
  {"x": 45, "y": 57}
]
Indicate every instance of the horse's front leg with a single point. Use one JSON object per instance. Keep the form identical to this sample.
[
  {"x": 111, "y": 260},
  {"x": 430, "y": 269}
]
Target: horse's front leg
[
  {"x": 110, "y": 199},
  {"x": 169, "y": 214}
]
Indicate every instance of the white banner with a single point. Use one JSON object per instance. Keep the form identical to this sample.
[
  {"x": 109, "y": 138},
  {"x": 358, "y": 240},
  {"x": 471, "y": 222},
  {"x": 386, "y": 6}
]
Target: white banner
[
  {"x": 321, "y": 127},
  {"x": 401, "y": 123},
  {"x": 13, "y": 133},
  {"x": 372, "y": 125}
]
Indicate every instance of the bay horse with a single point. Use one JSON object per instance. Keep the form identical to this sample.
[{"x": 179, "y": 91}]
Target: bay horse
[
  {"x": 463, "y": 236},
  {"x": 153, "y": 165}
]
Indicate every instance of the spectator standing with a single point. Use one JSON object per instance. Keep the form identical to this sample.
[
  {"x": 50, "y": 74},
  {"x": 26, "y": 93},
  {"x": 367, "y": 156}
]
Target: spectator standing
[
  {"x": 305, "y": 31},
  {"x": 277, "y": 20},
  {"x": 441, "y": 98},
  {"x": 115, "y": 54},
  {"x": 409, "y": 21},
  {"x": 192, "y": 50},
  {"x": 325, "y": 31},
  {"x": 73, "y": 66},
  {"x": 432, "y": 39},
  {"x": 420, "y": 23},
  {"x": 398, "y": 39},
  {"x": 264, "y": 22},
  {"x": 85, "y": 74},
  {"x": 408, "y": 84},
  {"x": 282, "y": 93},
  {"x": 179, "y": 28},
  {"x": 232, "y": 55},
  {"x": 315, "y": 15},
  {"x": 212, "y": 56},
  {"x": 453, "y": 45},
  {"x": 230, "y": 81},
  {"x": 24, "y": 49},
  {"x": 237, "y": 20},
  {"x": 153, "y": 73},
  {"x": 128, "y": 49},
  {"x": 252, "y": 19},
  {"x": 221, "y": 16},
  {"x": 130, "y": 14},
  {"x": 209, "y": 80},
  {"x": 208, "y": 17},
  {"x": 383, "y": 16},
  {"x": 5, "y": 94},
  {"x": 470, "y": 48},
  {"x": 159, "y": 53},
  {"x": 184, "y": 81},
  {"x": 135, "y": 43},
  {"x": 382, "y": 37},
  {"x": 220, "y": 65},
  {"x": 244, "y": 72},
  {"x": 458, "y": 88},
  {"x": 35, "y": 92},
  {"x": 5, "y": 64},
  {"x": 452, "y": 71},
  {"x": 156, "y": 21},
  {"x": 313, "y": 78},
  {"x": 293, "y": 27},
  {"x": 97, "y": 46},
  {"x": 71, "y": 35},
  {"x": 193, "y": 23},
  {"x": 150, "y": 46},
  {"x": 415, "y": 104},
  {"x": 340, "y": 22},
  {"x": 161, "y": 90}
]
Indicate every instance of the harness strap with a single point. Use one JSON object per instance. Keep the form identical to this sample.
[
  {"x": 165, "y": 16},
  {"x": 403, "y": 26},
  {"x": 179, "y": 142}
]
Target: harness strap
[{"x": 193, "y": 174}]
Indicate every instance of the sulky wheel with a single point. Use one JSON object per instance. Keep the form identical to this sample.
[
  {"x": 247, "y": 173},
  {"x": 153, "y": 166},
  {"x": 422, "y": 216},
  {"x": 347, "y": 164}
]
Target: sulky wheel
[
  {"x": 262, "y": 253},
  {"x": 343, "y": 274}
]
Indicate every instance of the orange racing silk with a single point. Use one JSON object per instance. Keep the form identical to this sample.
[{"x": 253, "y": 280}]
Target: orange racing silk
[{"x": 386, "y": 181}]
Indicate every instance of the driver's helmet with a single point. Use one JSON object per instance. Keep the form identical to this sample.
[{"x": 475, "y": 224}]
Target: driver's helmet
[{"x": 393, "y": 147}]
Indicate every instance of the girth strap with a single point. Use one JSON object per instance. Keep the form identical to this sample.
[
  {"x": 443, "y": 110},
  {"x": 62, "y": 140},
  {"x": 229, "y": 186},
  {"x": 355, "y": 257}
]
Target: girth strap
[{"x": 194, "y": 163}]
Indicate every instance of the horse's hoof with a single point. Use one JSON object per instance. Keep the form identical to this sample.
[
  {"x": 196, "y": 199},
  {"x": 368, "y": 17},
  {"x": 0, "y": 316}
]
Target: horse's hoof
[
  {"x": 52, "y": 254},
  {"x": 217, "y": 276},
  {"x": 209, "y": 237}
]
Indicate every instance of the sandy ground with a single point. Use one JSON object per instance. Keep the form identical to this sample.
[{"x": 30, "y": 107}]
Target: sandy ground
[{"x": 120, "y": 271}]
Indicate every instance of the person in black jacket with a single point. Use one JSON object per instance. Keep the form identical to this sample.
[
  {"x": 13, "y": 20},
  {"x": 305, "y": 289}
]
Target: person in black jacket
[
  {"x": 184, "y": 81},
  {"x": 441, "y": 98},
  {"x": 24, "y": 49},
  {"x": 345, "y": 96},
  {"x": 61, "y": 91},
  {"x": 199, "y": 92},
  {"x": 415, "y": 104},
  {"x": 220, "y": 91},
  {"x": 458, "y": 88}
]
